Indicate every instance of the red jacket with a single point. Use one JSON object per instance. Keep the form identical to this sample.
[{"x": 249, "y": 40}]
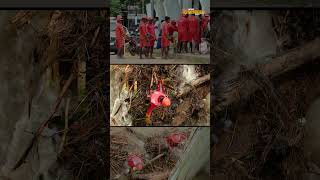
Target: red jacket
[
  {"x": 183, "y": 29},
  {"x": 143, "y": 34},
  {"x": 194, "y": 29},
  {"x": 165, "y": 40},
  {"x": 119, "y": 35}
]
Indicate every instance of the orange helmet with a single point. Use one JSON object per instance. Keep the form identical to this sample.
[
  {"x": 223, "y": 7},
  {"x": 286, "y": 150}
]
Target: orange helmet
[{"x": 166, "y": 102}]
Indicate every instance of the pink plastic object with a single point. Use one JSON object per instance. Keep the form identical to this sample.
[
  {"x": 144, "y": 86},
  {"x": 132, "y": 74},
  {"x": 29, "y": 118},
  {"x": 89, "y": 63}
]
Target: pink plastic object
[
  {"x": 155, "y": 96},
  {"x": 175, "y": 139},
  {"x": 135, "y": 162}
]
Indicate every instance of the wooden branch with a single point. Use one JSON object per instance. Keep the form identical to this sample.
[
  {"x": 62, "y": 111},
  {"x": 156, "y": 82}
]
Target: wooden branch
[
  {"x": 45, "y": 123},
  {"x": 154, "y": 159},
  {"x": 231, "y": 88},
  {"x": 66, "y": 123},
  {"x": 186, "y": 89}
]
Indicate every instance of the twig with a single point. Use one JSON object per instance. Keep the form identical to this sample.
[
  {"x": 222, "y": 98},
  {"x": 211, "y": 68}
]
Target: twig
[
  {"x": 194, "y": 84},
  {"x": 95, "y": 36},
  {"x": 155, "y": 158},
  {"x": 45, "y": 123},
  {"x": 66, "y": 122},
  {"x": 234, "y": 131}
]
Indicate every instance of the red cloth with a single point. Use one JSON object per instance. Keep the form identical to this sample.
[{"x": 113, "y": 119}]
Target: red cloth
[
  {"x": 172, "y": 29},
  {"x": 175, "y": 139},
  {"x": 183, "y": 29},
  {"x": 194, "y": 33},
  {"x": 143, "y": 34},
  {"x": 165, "y": 40},
  {"x": 152, "y": 34},
  {"x": 119, "y": 35}
]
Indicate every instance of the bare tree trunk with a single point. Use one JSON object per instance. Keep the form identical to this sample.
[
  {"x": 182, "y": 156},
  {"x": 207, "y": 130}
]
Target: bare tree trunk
[{"x": 235, "y": 87}]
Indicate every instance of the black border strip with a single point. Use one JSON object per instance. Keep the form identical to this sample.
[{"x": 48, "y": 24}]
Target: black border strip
[{"x": 56, "y": 4}]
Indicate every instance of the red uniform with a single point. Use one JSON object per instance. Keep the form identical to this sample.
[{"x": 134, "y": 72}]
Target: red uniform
[
  {"x": 172, "y": 29},
  {"x": 165, "y": 40},
  {"x": 119, "y": 35},
  {"x": 183, "y": 29},
  {"x": 143, "y": 34},
  {"x": 194, "y": 33},
  {"x": 151, "y": 34}
]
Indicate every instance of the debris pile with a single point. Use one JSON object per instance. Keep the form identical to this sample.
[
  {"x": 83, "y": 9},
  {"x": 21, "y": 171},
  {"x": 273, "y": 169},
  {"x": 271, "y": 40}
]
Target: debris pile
[
  {"x": 188, "y": 98},
  {"x": 118, "y": 153},
  {"x": 69, "y": 39},
  {"x": 266, "y": 139}
]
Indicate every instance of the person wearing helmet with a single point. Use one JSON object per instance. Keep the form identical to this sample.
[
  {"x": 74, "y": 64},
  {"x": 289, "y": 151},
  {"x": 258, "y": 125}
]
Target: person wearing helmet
[
  {"x": 173, "y": 32},
  {"x": 151, "y": 35},
  {"x": 165, "y": 38},
  {"x": 183, "y": 32},
  {"x": 120, "y": 36},
  {"x": 193, "y": 32},
  {"x": 143, "y": 36}
]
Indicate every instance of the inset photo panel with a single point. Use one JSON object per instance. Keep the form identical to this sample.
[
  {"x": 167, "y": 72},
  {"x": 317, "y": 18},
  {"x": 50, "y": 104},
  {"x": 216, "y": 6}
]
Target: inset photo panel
[
  {"x": 267, "y": 94},
  {"x": 160, "y": 153},
  {"x": 159, "y": 95},
  {"x": 160, "y": 32}
]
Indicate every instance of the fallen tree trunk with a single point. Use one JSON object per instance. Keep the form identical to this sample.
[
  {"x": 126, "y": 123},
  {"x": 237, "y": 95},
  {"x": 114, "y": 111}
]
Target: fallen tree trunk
[
  {"x": 235, "y": 87},
  {"x": 193, "y": 84}
]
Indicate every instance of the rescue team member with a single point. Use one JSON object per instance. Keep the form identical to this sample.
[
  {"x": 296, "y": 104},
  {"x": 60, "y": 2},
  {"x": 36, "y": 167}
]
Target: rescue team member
[
  {"x": 165, "y": 38},
  {"x": 194, "y": 32},
  {"x": 173, "y": 31},
  {"x": 120, "y": 36},
  {"x": 152, "y": 36},
  {"x": 183, "y": 32},
  {"x": 143, "y": 36}
]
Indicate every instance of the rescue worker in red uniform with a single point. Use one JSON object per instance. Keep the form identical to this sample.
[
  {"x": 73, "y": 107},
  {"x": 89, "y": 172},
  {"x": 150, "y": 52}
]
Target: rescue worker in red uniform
[
  {"x": 143, "y": 36},
  {"x": 120, "y": 36},
  {"x": 172, "y": 29},
  {"x": 151, "y": 30},
  {"x": 183, "y": 32},
  {"x": 165, "y": 38},
  {"x": 194, "y": 32}
]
